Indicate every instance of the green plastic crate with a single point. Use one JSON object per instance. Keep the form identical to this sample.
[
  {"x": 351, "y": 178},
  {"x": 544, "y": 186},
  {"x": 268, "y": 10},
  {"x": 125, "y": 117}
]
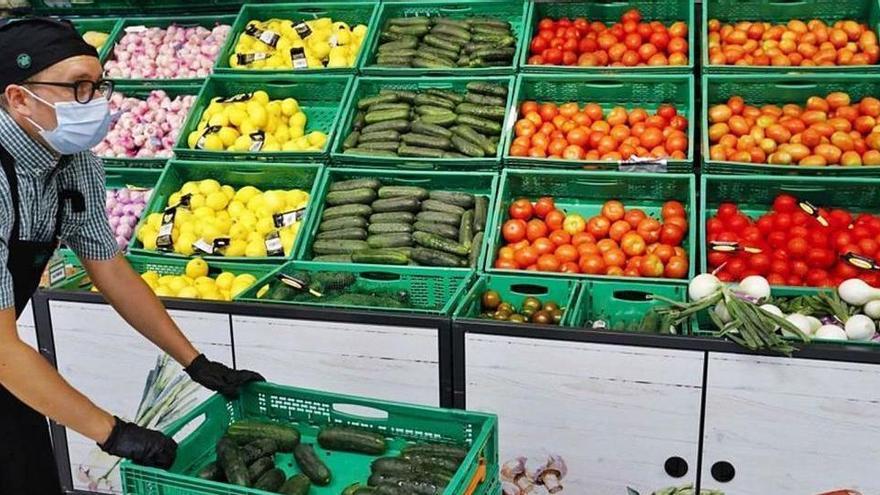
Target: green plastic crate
[
  {"x": 665, "y": 11},
  {"x": 260, "y": 175},
  {"x": 585, "y": 193},
  {"x": 619, "y": 304},
  {"x": 370, "y": 86},
  {"x": 430, "y": 291},
  {"x": 311, "y": 410},
  {"x": 207, "y": 21},
  {"x": 779, "y": 90},
  {"x": 349, "y": 12},
  {"x": 512, "y": 11},
  {"x": 629, "y": 91},
  {"x": 780, "y": 12},
  {"x": 482, "y": 183},
  {"x": 142, "y": 91},
  {"x": 105, "y": 25},
  {"x": 514, "y": 290},
  {"x": 321, "y": 98}
]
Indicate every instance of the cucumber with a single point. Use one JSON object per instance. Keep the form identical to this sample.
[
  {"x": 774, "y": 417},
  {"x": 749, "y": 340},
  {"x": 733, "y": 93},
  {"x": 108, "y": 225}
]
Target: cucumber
[
  {"x": 437, "y": 205},
  {"x": 359, "y": 196},
  {"x": 296, "y": 485},
  {"x": 365, "y": 103},
  {"x": 379, "y": 146},
  {"x": 459, "y": 23},
  {"x": 483, "y": 111},
  {"x": 479, "y": 124},
  {"x": 478, "y": 99},
  {"x": 420, "y": 127},
  {"x": 389, "y": 106},
  {"x": 443, "y": 43},
  {"x": 334, "y": 246},
  {"x": 498, "y": 40},
  {"x": 359, "y": 121},
  {"x": 392, "y": 217},
  {"x": 370, "y": 152},
  {"x": 447, "y": 451},
  {"x": 466, "y": 229},
  {"x": 402, "y": 94},
  {"x": 392, "y": 466},
  {"x": 403, "y": 192},
  {"x": 426, "y": 141},
  {"x": 481, "y": 213},
  {"x": 476, "y": 138},
  {"x": 433, "y": 257},
  {"x": 352, "y": 489},
  {"x": 441, "y": 229},
  {"x": 494, "y": 54},
  {"x": 452, "y": 31},
  {"x": 433, "y": 51},
  {"x": 488, "y": 89},
  {"x": 380, "y": 257},
  {"x": 389, "y": 228},
  {"x": 454, "y": 154},
  {"x": 348, "y": 439},
  {"x": 446, "y": 93},
  {"x": 432, "y": 241},
  {"x": 440, "y": 217},
  {"x": 397, "y": 57},
  {"x": 379, "y": 136},
  {"x": 258, "y": 448},
  {"x": 386, "y": 36},
  {"x": 343, "y": 223},
  {"x": 418, "y": 151},
  {"x": 352, "y": 234},
  {"x": 442, "y": 120},
  {"x": 396, "y": 204},
  {"x": 383, "y": 115},
  {"x": 423, "y": 110},
  {"x": 377, "y": 241},
  {"x": 346, "y": 210},
  {"x": 260, "y": 466},
  {"x": 311, "y": 465},
  {"x": 476, "y": 244},
  {"x": 401, "y": 125},
  {"x": 231, "y": 463},
  {"x": 413, "y": 30},
  {"x": 466, "y": 147},
  {"x": 286, "y": 437},
  {"x": 211, "y": 472},
  {"x": 406, "y": 42},
  {"x": 423, "y": 62},
  {"x": 271, "y": 480},
  {"x": 437, "y": 101},
  {"x": 409, "y": 21},
  {"x": 351, "y": 140},
  {"x": 333, "y": 258}
]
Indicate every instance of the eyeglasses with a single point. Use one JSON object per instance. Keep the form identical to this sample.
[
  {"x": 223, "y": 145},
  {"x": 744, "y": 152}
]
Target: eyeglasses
[{"x": 83, "y": 91}]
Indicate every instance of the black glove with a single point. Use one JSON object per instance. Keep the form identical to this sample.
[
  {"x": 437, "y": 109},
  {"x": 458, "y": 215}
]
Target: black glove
[
  {"x": 146, "y": 447},
  {"x": 219, "y": 377}
]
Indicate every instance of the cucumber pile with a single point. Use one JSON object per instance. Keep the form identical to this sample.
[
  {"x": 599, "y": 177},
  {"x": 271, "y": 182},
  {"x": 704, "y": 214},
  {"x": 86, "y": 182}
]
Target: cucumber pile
[
  {"x": 331, "y": 289},
  {"x": 365, "y": 221},
  {"x": 445, "y": 43},
  {"x": 421, "y": 469},
  {"x": 434, "y": 123}
]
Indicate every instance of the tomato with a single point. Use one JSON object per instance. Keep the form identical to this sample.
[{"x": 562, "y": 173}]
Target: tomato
[
  {"x": 560, "y": 237},
  {"x": 553, "y": 56},
  {"x": 574, "y": 223},
  {"x": 649, "y": 229},
  {"x": 631, "y": 15},
  {"x": 514, "y": 230},
  {"x": 543, "y": 206},
  {"x": 819, "y": 258},
  {"x": 683, "y": 223},
  {"x": 543, "y": 245},
  {"x": 578, "y": 136},
  {"x": 524, "y": 127},
  {"x": 672, "y": 209},
  {"x": 651, "y": 266},
  {"x": 569, "y": 267},
  {"x": 528, "y": 106},
  {"x": 614, "y": 257},
  {"x": 632, "y": 244},
  {"x": 676, "y": 267},
  {"x": 592, "y": 264},
  {"x": 581, "y": 238},
  {"x": 525, "y": 256},
  {"x": 618, "y": 229},
  {"x": 566, "y": 252},
  {"x": 671, "y": 234},
  {"x": 547, "y": 23},
  {"x": 548, "y": 263},
  {"x": 538, "y": 45},
  {"x": 536, "y": 228},
  {"x": 554, "y": 219},
  {"x": 727, "y": 210},
  {"x": 607, "y": 244},
  {"x": 521, "y": 209},
  {"x": 573, "y": 152},
  {"x": 634, "y": 217},
  {"x": 588, "y": 248},
  {"x": 503, "y": 264}
]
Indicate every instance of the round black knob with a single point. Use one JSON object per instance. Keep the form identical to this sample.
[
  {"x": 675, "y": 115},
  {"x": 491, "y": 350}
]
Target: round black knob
[
  {"x": 723, "y": 471},
  {"x": 676, "y": 467}
]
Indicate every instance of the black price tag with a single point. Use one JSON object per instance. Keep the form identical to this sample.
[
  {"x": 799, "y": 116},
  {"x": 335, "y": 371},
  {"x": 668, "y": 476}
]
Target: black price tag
[
  {"x": 221, "y": 243},
  {"x": 860, "y": 261},
  {"x": 287, "y": 218},
  {"x": 643, "y": 164},
  {"x": 164, "y": 240},
  {"x": 297, "y": 284},
  {"x": 268, "y": 37},
  {"x": 203, "y": 246},
  {"x": 298, "y": 58},
  {"x": 249, "y": 58},
  {"x": 302, "y": 29},
  {"x": 811, "y": 210},
  {"x": 258, "y": 139},
  {"x": 213, "y": 129},
  {"x": 273, "y": 244},
  {"x": 733, "y": 247},
  {"x": 236, "y": 98}
]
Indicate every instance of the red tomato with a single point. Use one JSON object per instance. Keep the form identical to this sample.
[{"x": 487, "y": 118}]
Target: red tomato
[
  {"x": 538, "y": 45},
  {"x": 554, "y": 219},
  {"x": 543, "y": 245},
  {"x": 560, "y": 237},
  {"x": 514, "y": 230},
  {"x": 676, "y": 267},
  {"x": 651, "y": 266},
  {"x": 671, "y": 234},
  {"x": 543, "y": 206},
  {"x": 536, "y": 228},
  {"x": 553, "y": 56},
  {"x": 785, "y": 203},
  {"x": 582, "y": 238},
  {"x": 525, "y": 256},
  {"x": 503, "y": 264},
  {"x": 548, "y": 263},
  {"x": 521, "y": 209},
  {"x": 569, "y": 267},
  {"x": 672, "y": 209},
  {"x": 649, "y": 229}
]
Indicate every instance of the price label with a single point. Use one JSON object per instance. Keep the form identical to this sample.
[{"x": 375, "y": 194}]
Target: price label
[
  {"x": 135, "y": 29},
  {"x": 273, "y": 244},
  {"x": 811, "y": 210},
  {"x": 213, "y": 129},
  {"x": 258, "y": 139},
  {"x": 57, "y": 271},
  {"x": 164, "y": 240},
  {"x": 268, "y": 37},
  {"x": 733, "y": 247},
  {"x": 860, "y": 261},
  {"x": 287, "y": 218},
  {"x": 203, "y": 247},
  {"x": 235, "y": 98},
  {"x": 249, "y": 58},
  {"x": 302, "y": 29},
  {"x": 643, "y": 164},
  {"x": 298, "y": 58}
]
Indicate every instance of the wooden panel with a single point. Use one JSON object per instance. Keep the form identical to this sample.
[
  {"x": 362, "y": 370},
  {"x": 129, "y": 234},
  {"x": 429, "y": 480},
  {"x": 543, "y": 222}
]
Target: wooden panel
[
  {"x": 385, "y": 362},
  {"x": 614, "y": 413}
]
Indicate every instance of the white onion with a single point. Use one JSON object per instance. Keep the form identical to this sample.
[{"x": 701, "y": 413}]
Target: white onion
[
  {"x": 755, "y": 286},
  {"x": 830, "y": 332},
  {"x": 857, "y": 292},
  {"x": 860, "y": 327},
  {"x": 815, "y": 323},
  {"x": 769, "y": 308},
  {"x": 722, "y": 313},
  {"x": 872, "y": 309},
  {"x": 703, "y": 286},
  {"x": 801, "y": 322}
]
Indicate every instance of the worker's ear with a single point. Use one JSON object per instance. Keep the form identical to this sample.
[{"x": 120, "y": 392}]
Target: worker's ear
[{"x": 17, "y": 100}]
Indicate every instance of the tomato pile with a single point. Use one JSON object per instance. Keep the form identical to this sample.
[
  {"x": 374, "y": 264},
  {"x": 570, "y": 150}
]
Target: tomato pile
[
  {"x": 618, "y": 241},
  {"x": 793, "y": 44},
  {"x": 572, "y": 133},
  {"x": 629, "y": 42},
  {"x": 828, "y": 131},
  {"x": 795, "y": 248}
]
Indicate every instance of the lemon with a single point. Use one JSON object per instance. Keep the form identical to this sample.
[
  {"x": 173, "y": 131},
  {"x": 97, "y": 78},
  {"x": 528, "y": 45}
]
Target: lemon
[
  {"x": 295, "y": 198},
  {"x": 271, "y": 126},
  {"x": 287, "y": 238},
  {"x": 301, "y": 143},
  {"x": 211, "y": 232},
  {"x": 289, "y": 106},
  {"x": 247, "y": 127},
  {"x": 177, "y": 284},
  {"x": 288, "y": 146},
  {"x": 360, "y": 31},
  {"x": 265, "y": 225},
  {"x": 257, "y": 114},
  {"x": 150, "y": 276},
  {"x": 298, "y": 119},
  {"x": 224, "y": 280},
  {"x": 193, "y": 138},
  {"x": 216, "y": 201},
  {"x": 196, "y": 201},
  {"x": 154, "y": 220},
  {"x": 228, "y": 135},
  {"x": 208, "y": 186},
  {"x": 235, "y": 208},
  {"x": 256, "y": 202},
  {"x": 191, "y": 187},
  {"x": 235, "y": 115},
  {"x": 318, "y": 139},
  {"x": 274, "y": 108},
  {"x": 261, "y": 97},
  {"x": 244, "y": 194},
  {"x": 248, "y": 219},
  {"x": 149, "y": 240},
  {"x": 236, "y": 248},
  {"x": 275, "y": 200},
  {"x": 255, "y": 249},
  {"x": 229, "y": 191},
  {"x": 204, "y": 212},
  {"x": 296, "y": 132},
  {"x": 254, "y": 236},
  {"x": 188, "y": 227},
  {"x": 188, "y": 292},
  {"x": 163, "y": 292},
  {"x": 196, "y": 267},
  {"x": 212, "y": 142},
  {"x": 219, "y": 119},
  {"x": 211, "y": 294},
  {"x": 184, "y": 244},
  {"x": 282, "y": 133}
]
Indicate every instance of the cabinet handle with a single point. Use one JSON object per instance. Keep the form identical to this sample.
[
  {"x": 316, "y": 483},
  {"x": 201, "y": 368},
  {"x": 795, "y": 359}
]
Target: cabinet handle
[
  {"x": 723, "y": 471},
  {"x": 676, "y": 467}
]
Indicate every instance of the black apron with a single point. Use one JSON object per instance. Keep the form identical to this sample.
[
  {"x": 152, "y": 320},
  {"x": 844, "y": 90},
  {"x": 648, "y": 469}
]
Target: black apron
[{"x": 27, "y": 464}]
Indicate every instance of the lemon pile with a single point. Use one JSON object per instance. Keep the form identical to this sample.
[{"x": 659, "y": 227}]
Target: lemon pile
[
  {"x": 282, "y": 121},
  {"x": 330, "y": 44},
  {"x": 195, "y": 283},
  {"x": 96, "y": 38},
  {"x": 245, "y": 216}
]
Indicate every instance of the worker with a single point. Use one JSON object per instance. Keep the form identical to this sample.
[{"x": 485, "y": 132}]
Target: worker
[{"x": 53, "y": 110}]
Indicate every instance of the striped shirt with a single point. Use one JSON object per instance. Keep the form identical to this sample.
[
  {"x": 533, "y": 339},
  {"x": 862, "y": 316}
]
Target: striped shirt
[{"x": 40, "y": 172}]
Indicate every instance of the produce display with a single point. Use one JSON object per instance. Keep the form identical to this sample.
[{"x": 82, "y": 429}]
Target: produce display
[
  {"x": 628, "y": 43},
  {"x": 795, "y": 43},
  {"x": 343, "y": 289},
  {"x": 253, "y": 123},
  {"x": 569, "y": 132},
  {"x": 96, "y": 38},
  {"x": 532, "y": 310},
  {"x": 194, "y": 283},
  {"x": 444, "y": 43},
  {"x": 124, "y": 209},
  {"x": 277, "y": 44},
  {"x": 175, "y": 52},
  {"x": 791, "y": 247},
  {"x": 829, "y": 130},
  {"x": 146, "y": 128},
  {"x": 217, "y": 219},
  {"x": 617, "y": 241},
  {"x": 365, "y": 221},
  {"x": 430, "y": 123}
]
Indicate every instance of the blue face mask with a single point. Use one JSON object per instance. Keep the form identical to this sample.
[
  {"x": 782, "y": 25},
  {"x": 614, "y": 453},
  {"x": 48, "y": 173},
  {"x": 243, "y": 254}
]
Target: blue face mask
[{"x": 80, "y": 126}]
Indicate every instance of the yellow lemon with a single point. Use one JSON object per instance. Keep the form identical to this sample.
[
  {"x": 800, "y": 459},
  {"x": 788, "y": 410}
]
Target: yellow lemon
[
  {"x": 255, "y": 249},
  {"x": 256, "y": 202},
  {"x": 211, "y": 294},
  {"x": 184, "y": 244},
  {"x": 261, "y": 97},
  {"x": 188, "y": 227},
  {"x": 204, "y": 212},
  {"x": 301, "y": 143},
  {"x": 257, "y": 115},
  {"x": 360, "y": 31},
  {"x": 229, "y": 191},
  {"x": 211, "y": 232},
  {"x": 191, "y": 187},
  {"x": 177, "y": 284},
  {"x": 224, "y": 280},
  {"x": 228, "y": 135},
  {"x": 196, "y": 201},
  {"x": 236, "y": 248},
  {"x": 154, "y": 221},
  {"x": 150, "y": 276},
  {"x": 289, "y": 106},
  {"x": 188, "y": 292},
  {"x": 318, "y": 139},
  {"x": 248, "y": 219},
  {"x": 295, "y": 197},
  {"x": 274, "y": 108},
  {"x": 163, "y": 292},
  {"x": 275, "y": 200},
  {"x": 236, "y": 116},
  {"x": 287, "y": 238},
  {"x": 200, "y": 281},
  {"x": 247, "y": 127},
  {"x": 192, "y": 139},
  {"x": 265, "y": 225},
  {"x": 219, "y": 119},
  {"x": 212, "y": 142},
  {"x": 243, "y": 143},
  {"x": 244, "y": 194},
  {"x": 288, "y": 146},
  {"x": 149, "y": 241},
  {"x": 282, "y": 133},
  {"x": 254, "y": 236},
  {"x": 298, "y": 119},
  {"x": 238, "y": 231},
  {"x": 208, "y": 186},
  {"x": 216, "y": 200},
  {"x": 196, "y": 267},
  {"x": 235, "y": 208}
]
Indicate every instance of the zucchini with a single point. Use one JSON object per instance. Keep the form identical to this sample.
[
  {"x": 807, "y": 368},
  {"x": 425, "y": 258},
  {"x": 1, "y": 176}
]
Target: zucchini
[
  {"x": 402, "y": 94},
  {"x": 379, "y": 146},
  {"x": 452, "y": 31},
  {"x": 383, "y": 115},
  {"x": 343, "y": 223},
  {"x": 367, "y": 102},
  {"x": 271, "y": 480},
  {"x": 392, "y": 217},
  {"x": 483, "y": 111},
  {"x": 431, "y": 100},
  {"x": 443, "y": 43},
  {"x": 380, "y": 257},
  {"x": 481, "y": 213},
  {"x": 418, "y": 151},
  {"x": 389, "y": 228},
  {"x": 231, "y": 463},
  {"x": 412, "y": 30},
  {"x": 424, "y": 128},
  {"x": 286, "y": 437},
  {"x": 442, "y": 120},
  {"x": 333, "y": 258},
  {"x": 479, "y": 124},
  {"x": 476, "y": 244},
  {"x": 440, "y": 217},
  {"x": 401, "y": 125},
  {"x": 370, "y": 152},
  {"x": 466, "y": 147},
  {"x": 260, "y": 466},
  {"x": 336, "y": 246},
  {"x": 311, "y": 465},
  {"x": 478, "y": 99},
  {"x": 359, "y": 196},
  {"x": 379, "y": 136},
  {"x": 437, "y": 205},
  {"x": 351, "y": 140},
  {"x": 433, "y": 257},
  {"x": 346, "y": 210},
  {"x": 296, "y": 485},
  {"x": 466, "y": 229},
  {"x": 426, "y": 141},
  {"x": 488, "y": 89},
  {"x": 348, "y": 439},
  {"x": 359, "y": 121},
  {"x": 441, "y": 229},
  {"x": 211, "y": 472},
  {"x": 258, "y": 448},
  {"x": 444, "y": 450},
  {"x": 396, "y": 204},
  {"x": 377, "y": 241},
  {"x": 353, "y": 234},
  {"x": 476, "y": 138},
  {"x": 431, "y": 241},
  {"x": 403, "y": 192},
  {"x": 389, "y": 106},
  {"x": 424, "y": 62}
]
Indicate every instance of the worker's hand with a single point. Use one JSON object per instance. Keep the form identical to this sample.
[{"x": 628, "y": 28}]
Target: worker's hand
[
  {"x": 143, "y": 446},
  {"x": 219, "y": 377}
]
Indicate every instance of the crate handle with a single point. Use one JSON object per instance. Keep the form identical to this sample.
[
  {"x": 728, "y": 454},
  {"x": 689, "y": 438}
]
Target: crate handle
[
  {"x": 412, "y": 181},
  {"x": 631, "y": 295},
  {"x": 597, "y": 182},
  {"x": 312, "y": 12},
  {"x": 356, "y": 411},
  {"x": 603, "y": 85},
  {"x": 381, "y": 276},
  {"x": 185, "y": 430},
  {"x": 794, "y": 85},
  {"x": 529, "y": 289},
  {"x": 455, "y": 8},
  {"x": 788, "y": 2},
  {"x": 244, "y": 171},
  {"x": 793, "y": 188},
  {"x": 610, "y": 3},
  {"x": 478, "y": 478}
]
